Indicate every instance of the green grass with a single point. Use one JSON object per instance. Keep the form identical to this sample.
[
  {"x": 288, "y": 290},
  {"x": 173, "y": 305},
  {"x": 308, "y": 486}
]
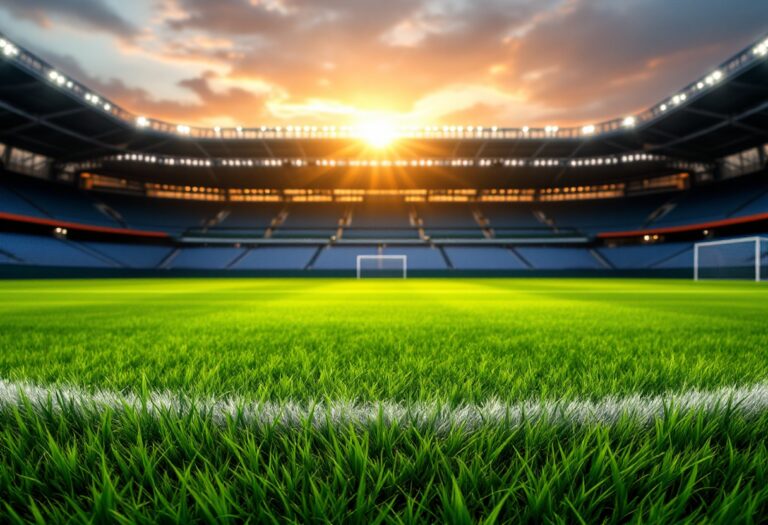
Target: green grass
[{"x": 438, "y": 341}]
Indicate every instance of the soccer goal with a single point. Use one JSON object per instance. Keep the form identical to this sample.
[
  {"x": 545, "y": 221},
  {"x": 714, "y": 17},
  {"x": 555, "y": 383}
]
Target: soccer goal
[
  {"x": 745, "y": 258},
  {"x": 382, "y": 266}
]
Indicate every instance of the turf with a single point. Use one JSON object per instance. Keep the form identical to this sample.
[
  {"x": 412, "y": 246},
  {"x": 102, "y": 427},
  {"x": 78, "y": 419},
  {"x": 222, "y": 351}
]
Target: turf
[{"x": 453, "y": 342}]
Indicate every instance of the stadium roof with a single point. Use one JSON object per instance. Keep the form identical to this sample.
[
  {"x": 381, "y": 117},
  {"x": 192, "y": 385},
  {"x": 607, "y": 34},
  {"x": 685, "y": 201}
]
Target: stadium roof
[{"x": 42, "y": 111}]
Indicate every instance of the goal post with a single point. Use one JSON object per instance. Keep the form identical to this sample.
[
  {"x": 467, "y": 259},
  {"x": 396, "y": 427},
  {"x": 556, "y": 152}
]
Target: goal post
[
  {"x": 382, "y": 266},
  {"x": 743, "y": 258}
]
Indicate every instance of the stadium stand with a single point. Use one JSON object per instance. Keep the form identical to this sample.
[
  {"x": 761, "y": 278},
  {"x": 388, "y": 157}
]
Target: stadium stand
[
  {"x": 485, "y": 258},
  {"x": 613, "y": 196},
  {"x": 246, "y": 219},
  {"x": 47, "y": 251},
  {"x": 644, "y": 256},
  {"x": 511, "y": 221},
  {"x": 419, "y": 257},
  {"x": 449, "y": 220},
  {"x": 131, "y": 255},
  {"x": 171, "y": 215},
  {"x": 308, "y": 220},
  {"x": 342, "y": 257},
  {"x": 605, "y": 215},
  {"x": 382, "y": 219},
  {"x": 198, "y": 258},
  {"x": 559, "y": 258},
  {"x": 276, "y": 258}
]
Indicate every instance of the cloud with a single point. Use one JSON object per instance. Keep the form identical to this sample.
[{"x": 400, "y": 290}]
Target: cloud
[
  {"x": 506, "y": 62},
  {"x": 92, "y": 14},
  {"x": 605, "y": 58},
  {"x": 215, "y": 102}
]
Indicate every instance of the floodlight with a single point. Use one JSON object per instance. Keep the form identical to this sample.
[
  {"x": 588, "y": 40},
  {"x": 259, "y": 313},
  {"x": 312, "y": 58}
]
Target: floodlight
[
  {"x": 142, "y": 122},
  {"x": 589, "y": 129},
  {"x": 629, "y": 122},
  {"x": 378, "y": 134}
]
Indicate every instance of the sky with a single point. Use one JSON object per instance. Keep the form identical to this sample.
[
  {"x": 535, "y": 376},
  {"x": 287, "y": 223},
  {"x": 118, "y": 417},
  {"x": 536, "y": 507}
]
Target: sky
[{"x": 408, "y": 62}]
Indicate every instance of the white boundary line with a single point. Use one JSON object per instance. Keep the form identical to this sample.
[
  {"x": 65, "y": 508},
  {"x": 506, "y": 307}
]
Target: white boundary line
[{"x": 747, "y": 401}]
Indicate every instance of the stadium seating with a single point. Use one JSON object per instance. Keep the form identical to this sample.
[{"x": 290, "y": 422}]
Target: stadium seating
[
  {"x": 11, "y": 202},
  {"x": 483, "y": 258},
  {"x": 310, "y": 220},
  {"x": 683, "y": 260},
  {"x": 170, "y": 215},
  {"x": 299, "y": 236},
  {"x": 381, "y": 214},
  {"x": 131, "y": 255},
  {"x": 239, "y": 220},
  {"x": 342, "y": 257},
  {"x": 384, "y": 233},
  {"x": 449, "y": 220},
  {"x": 38, "y": 198},
  {"x": 276, "y": 258},
  {"x": 39, "y": 250},
  {"x": 511, "y": 215},
  {"x": 643, "y": 256},
  {"x": 206, "y": 258},
  {"x": 380, "y": 220},
  {"x": 559, "y": 258},
  {"x": 603, "y": 215},
  {"x": 419, "y": 257}
]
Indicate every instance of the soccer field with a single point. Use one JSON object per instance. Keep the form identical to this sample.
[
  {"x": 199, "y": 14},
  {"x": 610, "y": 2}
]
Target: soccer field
[{"x": 441, "y": 400}]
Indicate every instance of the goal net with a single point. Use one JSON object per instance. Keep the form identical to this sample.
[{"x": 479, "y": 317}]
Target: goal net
[
  {"x": 745, "y": 258},
  {"x": 382, "y": 266}
]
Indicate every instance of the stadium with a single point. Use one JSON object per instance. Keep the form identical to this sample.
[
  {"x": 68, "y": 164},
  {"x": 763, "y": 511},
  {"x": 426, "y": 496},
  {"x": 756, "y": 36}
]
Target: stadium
[{"x": 383, "y": 323}]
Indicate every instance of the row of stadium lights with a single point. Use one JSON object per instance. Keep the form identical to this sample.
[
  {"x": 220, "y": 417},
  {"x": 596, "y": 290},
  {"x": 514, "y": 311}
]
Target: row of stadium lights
[
  {"x": 414, "y": 163},
  {"x": 9, "y": 50},
  {"x": 361, "y": 131},
  {"x": 761, "y": 49}
]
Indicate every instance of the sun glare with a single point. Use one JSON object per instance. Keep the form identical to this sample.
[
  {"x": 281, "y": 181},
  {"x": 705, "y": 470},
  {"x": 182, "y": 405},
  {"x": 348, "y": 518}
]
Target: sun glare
[{"x": 378, "y": 134}]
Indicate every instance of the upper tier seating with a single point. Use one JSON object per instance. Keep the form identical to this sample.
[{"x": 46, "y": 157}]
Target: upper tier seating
[
  {"x": 449, "y": 220},
  {"x": 314, "y": 215},
  {"x": 310, "y": 220},
  {"x": 169, "y": 215},
  {"x": 12, "y": 202},
  {"x": 717, "y": 201},
  {"x": 381, "y": 214},
  {"x": 249, "y": 216},
  {"x": 757, "y": 204},
  {"x": 40, "y": 250},
  {"x": 446, "y": 215},
  {"x": 383, "y": 219},
  {"x": 39, "y": 198},
  {"x": 513, "y": 215},
  {"x": 594, "y": 216}
]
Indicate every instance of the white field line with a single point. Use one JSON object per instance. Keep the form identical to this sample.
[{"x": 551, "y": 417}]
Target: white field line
[{"x": 644, "y": 410}]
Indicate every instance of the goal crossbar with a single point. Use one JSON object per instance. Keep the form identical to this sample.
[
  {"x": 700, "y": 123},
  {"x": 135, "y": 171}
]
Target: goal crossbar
[
  {"x": 759, "y": 243},
  {"x": 361, "y": 258}
]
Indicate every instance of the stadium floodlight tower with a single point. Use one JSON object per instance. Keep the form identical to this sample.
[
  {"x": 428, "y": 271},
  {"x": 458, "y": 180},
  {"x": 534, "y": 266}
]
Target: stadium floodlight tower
[
  {"x": 742, "y": 258},
  {"x": 382, "y": 266}
]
